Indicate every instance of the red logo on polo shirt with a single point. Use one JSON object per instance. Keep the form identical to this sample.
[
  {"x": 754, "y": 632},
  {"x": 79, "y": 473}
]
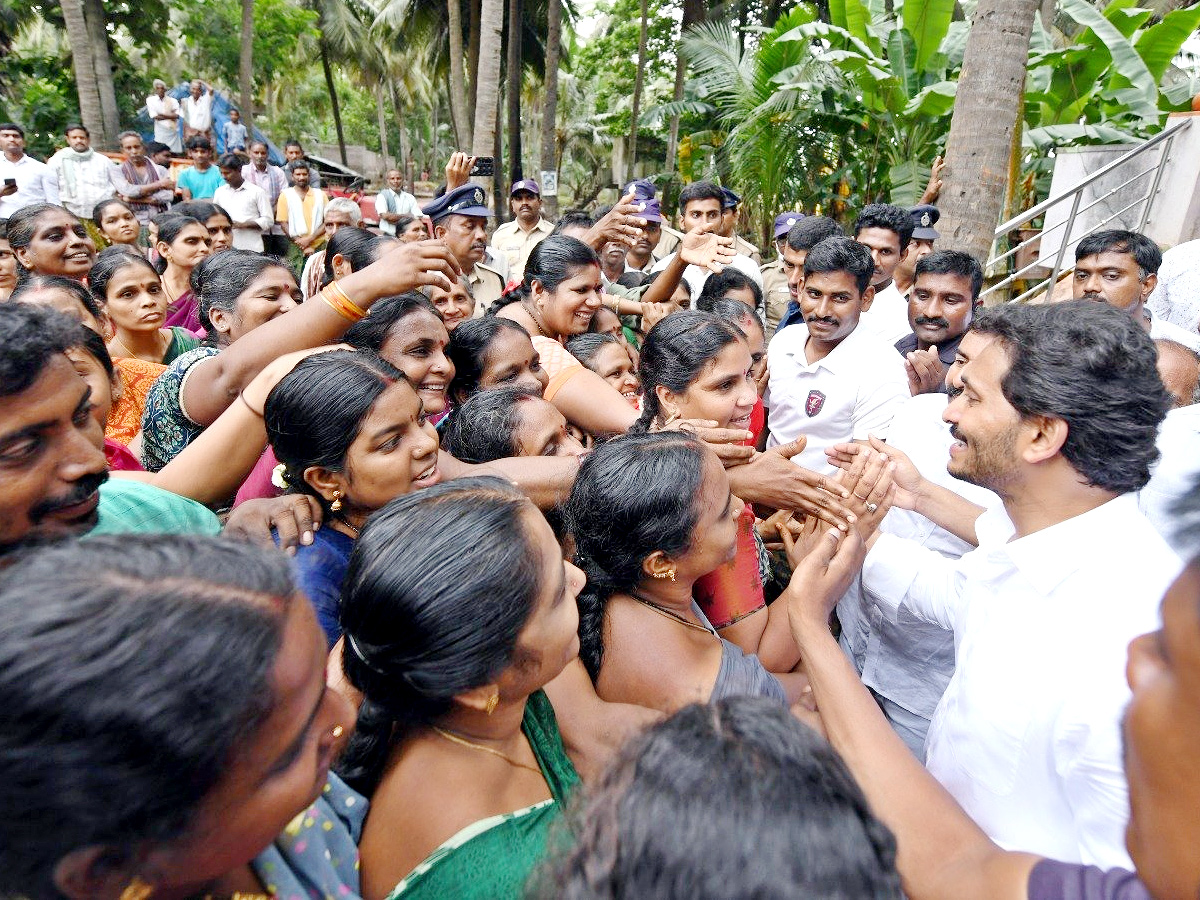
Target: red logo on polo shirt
[{"x": 813, "y": 404}]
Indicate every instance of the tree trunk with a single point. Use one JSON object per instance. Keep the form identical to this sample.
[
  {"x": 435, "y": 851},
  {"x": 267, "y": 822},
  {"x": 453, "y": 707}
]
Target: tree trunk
[
  {"x": 458, "y": 84},
  {"x": 473, "y": 28},
  {"x": 637, "y": 92},
  {"x": 693, "y": 13},
  {"x": 550, "y": 114},
  {"x": 403, "y": 157},
  {"x": 81, "y": 60},
  {"x": 498, "y": 192},
  {"x": 333, "y": 101},
  {"x": 383, "y": 135},
  {"x": 987, "y": 107},
  {"x": 246, "y": 66},
  {"x": 93, "y": 11},
  {"x": 491, "y": 23},
  {"x": 514, "y": 91}
]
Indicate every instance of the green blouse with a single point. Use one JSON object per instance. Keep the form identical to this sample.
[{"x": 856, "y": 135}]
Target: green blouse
[{"x": 492, "y": 858}]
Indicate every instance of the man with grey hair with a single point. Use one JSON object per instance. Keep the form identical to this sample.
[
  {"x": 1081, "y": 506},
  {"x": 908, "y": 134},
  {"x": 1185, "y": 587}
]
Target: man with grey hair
[
  {"x": 163, "y": 109},
  {"x": 340, "y": 213}
]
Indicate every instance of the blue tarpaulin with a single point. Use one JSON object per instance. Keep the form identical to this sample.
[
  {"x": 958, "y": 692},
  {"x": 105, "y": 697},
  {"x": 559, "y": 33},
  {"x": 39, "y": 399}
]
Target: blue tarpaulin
[{"x": 221, "y": 106}]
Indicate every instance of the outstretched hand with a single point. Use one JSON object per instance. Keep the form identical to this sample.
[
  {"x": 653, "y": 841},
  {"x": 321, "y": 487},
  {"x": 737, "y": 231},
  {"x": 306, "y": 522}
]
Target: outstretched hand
[
  {"x": 622, "y": 225},
  {"x": 908, "y": 480},
  {"x": 728, "y": 443},
  {"x": 821, "y": 575},
  {"x": 782, "y": 484},
  {"x": 707, "y": 249},
  {"x": 406, "y": 267}
]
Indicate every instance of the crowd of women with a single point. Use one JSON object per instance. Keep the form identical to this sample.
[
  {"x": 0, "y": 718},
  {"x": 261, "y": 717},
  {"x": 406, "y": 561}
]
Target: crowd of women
[{"x": 526, "y": 647}]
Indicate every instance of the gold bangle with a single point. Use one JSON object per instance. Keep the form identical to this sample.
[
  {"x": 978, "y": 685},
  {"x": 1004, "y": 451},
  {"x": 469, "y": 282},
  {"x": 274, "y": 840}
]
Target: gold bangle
[
  {"x": 346, "y": 301},
  {"x": 349, "y": 312},
  {"x": 616, "y": 305}
]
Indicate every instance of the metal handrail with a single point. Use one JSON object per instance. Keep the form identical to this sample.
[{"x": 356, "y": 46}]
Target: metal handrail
[
  {"x": 1165, "y": 138},
  {"x": 1167, "y": 133}
]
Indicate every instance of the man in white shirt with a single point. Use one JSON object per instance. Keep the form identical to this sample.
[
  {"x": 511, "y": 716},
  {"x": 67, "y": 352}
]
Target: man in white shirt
[
  {"x": 272, "y": 180},
  {"x": 1057, "y": 415},
  {"x": 84, "y": 176},
  {"x": 393, "y": 202},
  {"x": 700, "y": 207},
  {"x": 164, "y": 110},
  {"x": 832, "y": 381},
  {"x": 886, "y": 230},
  {"x": 904, "y": 660},
  {"x": 247, "y": 204},
  {"x": 514, "y": 241},
  {"x": 197, "y": 111},
  {"x": 23, "y": 179}
]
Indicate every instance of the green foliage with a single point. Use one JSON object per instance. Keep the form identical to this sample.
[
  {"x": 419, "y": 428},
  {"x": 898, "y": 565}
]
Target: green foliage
[
  {"x": 284, "y": 33},
  {"x": 609, "y": 60}
]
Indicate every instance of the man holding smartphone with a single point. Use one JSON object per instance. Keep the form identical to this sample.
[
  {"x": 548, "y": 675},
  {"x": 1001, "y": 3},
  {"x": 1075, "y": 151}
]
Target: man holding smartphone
[{"x": 23, "y": 179}]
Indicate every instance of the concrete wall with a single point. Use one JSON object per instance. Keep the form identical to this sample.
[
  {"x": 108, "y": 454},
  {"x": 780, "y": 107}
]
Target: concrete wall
[{"x": 1174, "y": 214}]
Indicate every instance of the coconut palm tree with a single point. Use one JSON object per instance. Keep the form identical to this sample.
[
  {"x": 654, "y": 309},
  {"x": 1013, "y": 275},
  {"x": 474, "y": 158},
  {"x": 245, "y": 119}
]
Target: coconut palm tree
[{"x": 85, "y": 67}]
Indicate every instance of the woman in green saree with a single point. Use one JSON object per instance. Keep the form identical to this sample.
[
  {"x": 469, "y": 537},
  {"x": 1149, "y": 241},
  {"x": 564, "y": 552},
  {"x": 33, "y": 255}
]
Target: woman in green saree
[{"x": 458, "y": 609}]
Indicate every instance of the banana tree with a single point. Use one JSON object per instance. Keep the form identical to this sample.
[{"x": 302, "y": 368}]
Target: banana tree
[
  {"x": 902, "y": 71},
  {"x": 1115, "y": 80}
]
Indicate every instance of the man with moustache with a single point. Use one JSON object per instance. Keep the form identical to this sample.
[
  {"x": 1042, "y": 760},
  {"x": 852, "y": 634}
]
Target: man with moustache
[
  {"x": 1058, "y": 415},
  {"x": 515, "y": 240},
  {"x": 832, "y": 381},
  {"x": 53, "y": 473},
  {"x": 1120, "y": 268},
  {"x": 802, "y": 237},
  {"x": 943, "y": 855},
  {"x": 460, "y": 220},
  {"x": 941, "y": 305}
]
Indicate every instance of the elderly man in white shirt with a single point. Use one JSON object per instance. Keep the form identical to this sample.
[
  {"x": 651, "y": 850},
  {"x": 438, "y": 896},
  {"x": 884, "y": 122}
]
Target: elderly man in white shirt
[
  {"x": 247, "y": 204},
  {"x": 1058, "y": 416},
  {"x": 164, "y": 110},
  {"x": 832, "y": 381},
  {"x": 85, "y": 177},
  {"x": 197, "y": 110},
  {"x": 24, "y": 180}
]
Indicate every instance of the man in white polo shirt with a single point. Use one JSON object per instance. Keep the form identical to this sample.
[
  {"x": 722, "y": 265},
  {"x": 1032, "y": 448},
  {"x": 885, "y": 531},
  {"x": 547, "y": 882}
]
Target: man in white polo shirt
[{"x": 832, "y": 381}]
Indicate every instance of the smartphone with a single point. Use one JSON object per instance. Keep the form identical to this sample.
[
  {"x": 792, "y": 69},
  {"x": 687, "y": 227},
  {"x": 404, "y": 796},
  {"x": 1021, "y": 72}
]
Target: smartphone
[
  {"x": 10, "y": 182},
  {"x": 484, "y": 166}
]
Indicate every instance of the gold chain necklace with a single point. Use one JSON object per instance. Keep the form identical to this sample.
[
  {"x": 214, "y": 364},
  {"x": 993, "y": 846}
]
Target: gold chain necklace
[
  {"x": 669, "y": 614},
  {"x": 463, "y": 742}
]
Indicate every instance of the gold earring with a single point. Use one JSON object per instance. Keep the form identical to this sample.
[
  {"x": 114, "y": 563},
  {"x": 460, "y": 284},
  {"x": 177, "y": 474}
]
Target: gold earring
[
  {"x": 492, "y": 701},
  {"x": 336, "y": 505},
  {"x": 338, "y": 731},
  {"x": 672, "y": 415},
  {"x": 137, "y": 890}
]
